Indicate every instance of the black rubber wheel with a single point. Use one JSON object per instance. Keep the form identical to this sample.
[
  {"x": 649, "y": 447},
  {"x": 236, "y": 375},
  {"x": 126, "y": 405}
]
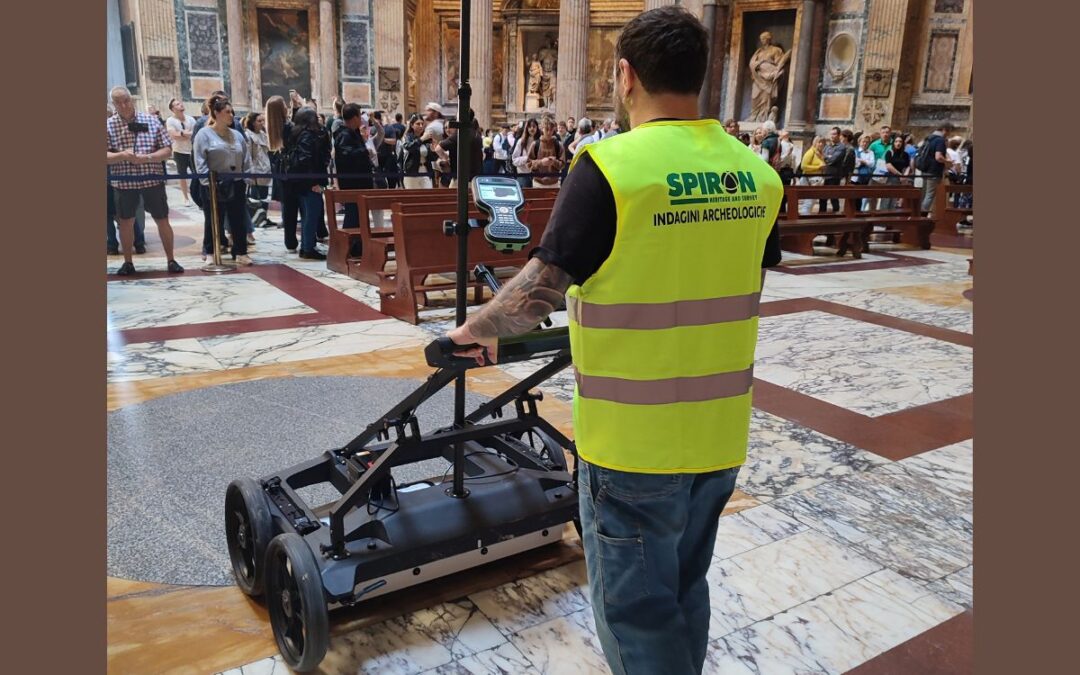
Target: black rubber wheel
[
  {"x": 294, "y": 595},
  {"x": 248, "y": 530}
]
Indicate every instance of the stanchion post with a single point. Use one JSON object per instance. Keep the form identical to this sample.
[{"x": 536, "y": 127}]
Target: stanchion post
[{"x": 216, "y": 267}]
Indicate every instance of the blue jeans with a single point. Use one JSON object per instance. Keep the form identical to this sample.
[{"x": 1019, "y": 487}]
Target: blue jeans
[
  {"x": 648, "y": 545},
  {"x": 311, "y": 205}
]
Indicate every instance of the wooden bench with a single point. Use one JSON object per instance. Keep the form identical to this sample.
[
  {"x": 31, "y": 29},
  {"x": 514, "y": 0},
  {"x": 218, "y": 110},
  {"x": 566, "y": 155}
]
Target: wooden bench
[
  {"x": 376, "y": 238},
  {"x": 854, "y": 227},
  {"x": 422, "y": 251},
  {"x": 945, "y": 212},
  {"x": 341, "y": 239}
]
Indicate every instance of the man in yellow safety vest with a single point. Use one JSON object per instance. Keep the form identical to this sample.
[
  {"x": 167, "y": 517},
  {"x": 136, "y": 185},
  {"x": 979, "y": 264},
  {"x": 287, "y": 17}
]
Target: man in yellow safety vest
[{"x": 658, "y": 240}]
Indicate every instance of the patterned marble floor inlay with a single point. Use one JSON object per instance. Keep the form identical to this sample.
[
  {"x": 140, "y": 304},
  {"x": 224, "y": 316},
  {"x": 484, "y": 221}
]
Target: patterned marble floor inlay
[
  {"x": 181, "y": 300},
  {"x": 860, "y": 366}
]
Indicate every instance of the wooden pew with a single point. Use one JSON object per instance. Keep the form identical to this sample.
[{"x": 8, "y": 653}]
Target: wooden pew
[
  {"x": 797, "y": 231},
  {"x": 374, "y": 237},
  {"x": 422, "y": 250},
  {"x": 944, "y": 212},
  {"x": 337, "y": 257}
]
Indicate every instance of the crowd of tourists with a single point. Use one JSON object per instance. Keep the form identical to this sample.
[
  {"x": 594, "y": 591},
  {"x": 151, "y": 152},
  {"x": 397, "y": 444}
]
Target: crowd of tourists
[
  {"x": 297, "y": 152},
  {"x": 857, "y": 157}
]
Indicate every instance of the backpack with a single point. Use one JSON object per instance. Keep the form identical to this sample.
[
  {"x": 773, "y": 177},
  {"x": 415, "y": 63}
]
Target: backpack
[
  {"x": 847, "y": 166},
  {"x": 775, "y": 162},
  {"x": 924, "y": 158}
]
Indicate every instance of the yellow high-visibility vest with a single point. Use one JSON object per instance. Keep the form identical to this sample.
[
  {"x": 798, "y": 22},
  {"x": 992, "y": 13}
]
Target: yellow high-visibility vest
[{"x": 663, "y": 334}]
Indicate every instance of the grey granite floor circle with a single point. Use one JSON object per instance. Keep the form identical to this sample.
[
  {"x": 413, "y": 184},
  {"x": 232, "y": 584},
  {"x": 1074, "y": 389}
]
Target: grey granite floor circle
[{"x": 170, "y": 460}]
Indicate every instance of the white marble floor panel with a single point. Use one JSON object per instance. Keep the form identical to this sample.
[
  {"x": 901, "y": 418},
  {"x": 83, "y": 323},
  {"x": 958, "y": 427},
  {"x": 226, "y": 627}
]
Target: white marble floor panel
[
  {"x": 566, "y": 645},
  {"x": 785, "y": 457},
  {"x": 750, "y": 528},
  {"x": 959, "y": 318},
  {"x": 414, "y": 643},
  {"x": 832, "y": 632},
  {"x": 297, "y": 344},
  {"x": 777, "y": 576},
  {"x": 901, "y": 521},
  {"x": 519, "y": 605},
  {"x": 150, "y": 360},
  {"x": 866, "y": 368},
  {"x": 177, "y": 301}
]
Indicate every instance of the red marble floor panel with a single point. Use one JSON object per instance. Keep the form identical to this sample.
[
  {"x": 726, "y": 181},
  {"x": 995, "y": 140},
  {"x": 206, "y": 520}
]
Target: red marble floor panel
[
  {"x": 330, "y": 307},
  {"x": 854, "y": 266},
  {"x": 945, "y": 649}
]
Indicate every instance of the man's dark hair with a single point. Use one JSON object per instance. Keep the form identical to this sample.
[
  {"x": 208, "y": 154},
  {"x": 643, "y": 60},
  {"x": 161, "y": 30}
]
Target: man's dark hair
[
  {"x": 398, "y": 118},
  {"x": 349, "y": 111},
  {"x": 668, "y": 48},
  {"x": 847, "y": 135},
  {"x": 306, "y": 118},
  {"x": 947, "y": 127},
  {"x": 837, "y": 130}
]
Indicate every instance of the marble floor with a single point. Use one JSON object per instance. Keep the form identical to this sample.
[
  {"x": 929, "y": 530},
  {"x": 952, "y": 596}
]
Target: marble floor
[{"x": 849, "y": 536}]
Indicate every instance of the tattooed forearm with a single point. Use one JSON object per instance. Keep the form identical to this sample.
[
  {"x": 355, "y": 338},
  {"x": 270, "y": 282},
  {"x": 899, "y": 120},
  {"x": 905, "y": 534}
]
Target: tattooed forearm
[{"x": 523, "y": 302}]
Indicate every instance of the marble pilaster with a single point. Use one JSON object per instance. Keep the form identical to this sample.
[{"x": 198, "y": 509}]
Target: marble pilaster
[
  {"x": 885, "y": 35},
  {"x": 573, "y": 76},
  {"x": 156, "y": 35},
  {"x": 328, "y": 71},
  {"x": 481, "y": 60},
  {"x": 390, "y": 47},
  {"x": 653, "y": 4},
  {"x": 797, "y": 115},
  {"x": 240, "y": 83},
  {"x": 426, "y": 43}
]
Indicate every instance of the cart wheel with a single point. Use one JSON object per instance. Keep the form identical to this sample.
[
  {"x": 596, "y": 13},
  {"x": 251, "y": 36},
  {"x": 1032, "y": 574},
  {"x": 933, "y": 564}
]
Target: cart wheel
[
  {"x": 297, "y": 605},
  {"x": 248, "y": 530}
]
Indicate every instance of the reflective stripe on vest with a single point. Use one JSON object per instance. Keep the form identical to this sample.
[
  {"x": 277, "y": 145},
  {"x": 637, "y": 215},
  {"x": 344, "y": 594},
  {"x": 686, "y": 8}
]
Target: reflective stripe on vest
[{"x": 663, "y": 334}]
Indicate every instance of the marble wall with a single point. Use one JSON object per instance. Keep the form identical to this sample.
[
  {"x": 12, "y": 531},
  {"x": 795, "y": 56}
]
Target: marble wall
[{"x": 904, "y": 62}]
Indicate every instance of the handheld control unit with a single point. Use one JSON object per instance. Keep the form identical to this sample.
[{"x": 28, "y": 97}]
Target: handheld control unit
[{"x": 501, "y": 199}]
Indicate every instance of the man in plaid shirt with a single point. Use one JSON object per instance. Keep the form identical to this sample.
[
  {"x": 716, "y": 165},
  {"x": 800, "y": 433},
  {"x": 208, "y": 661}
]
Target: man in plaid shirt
[{"x": 138, "y": 144}]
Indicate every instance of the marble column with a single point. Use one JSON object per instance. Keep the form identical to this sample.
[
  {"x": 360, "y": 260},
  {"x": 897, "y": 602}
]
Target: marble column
[
  {"x": 571, "y": 83},
  {"x": 718, "y": 54},
  {"x": 481, "y": 60},
  {"x": 797, "y": 109},
  {"x": 388, "y": 24},
  {"x": 426, "y": 59},
  {"x": 239, "y": 78},
  {"x": 328, "y": 69},
  {"x": 653, "y": 4}
]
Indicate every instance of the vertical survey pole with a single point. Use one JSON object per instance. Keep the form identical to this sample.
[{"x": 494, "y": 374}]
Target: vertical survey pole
[{"x": 464, "y": 127}]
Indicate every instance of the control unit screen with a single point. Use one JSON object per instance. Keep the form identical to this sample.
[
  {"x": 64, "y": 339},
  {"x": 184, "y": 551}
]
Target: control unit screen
[{"x": 498, "y": 193}]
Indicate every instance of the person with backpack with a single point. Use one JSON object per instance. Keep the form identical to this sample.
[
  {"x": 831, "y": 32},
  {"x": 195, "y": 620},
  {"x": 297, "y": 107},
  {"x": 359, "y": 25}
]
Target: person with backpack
[
  {"x": 931, "y": 161},
  {"x": 308, "y": 152},
  {"x": 353, "y": 161}
]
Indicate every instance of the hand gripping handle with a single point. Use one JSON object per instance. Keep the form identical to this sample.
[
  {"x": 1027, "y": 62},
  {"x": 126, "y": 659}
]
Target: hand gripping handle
[{"x": 440, "y": 354}]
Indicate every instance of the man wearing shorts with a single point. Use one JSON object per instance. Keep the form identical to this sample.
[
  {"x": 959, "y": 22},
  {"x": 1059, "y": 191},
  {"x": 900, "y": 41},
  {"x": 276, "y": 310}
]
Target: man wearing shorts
[{"x": 137, "y": 144}]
